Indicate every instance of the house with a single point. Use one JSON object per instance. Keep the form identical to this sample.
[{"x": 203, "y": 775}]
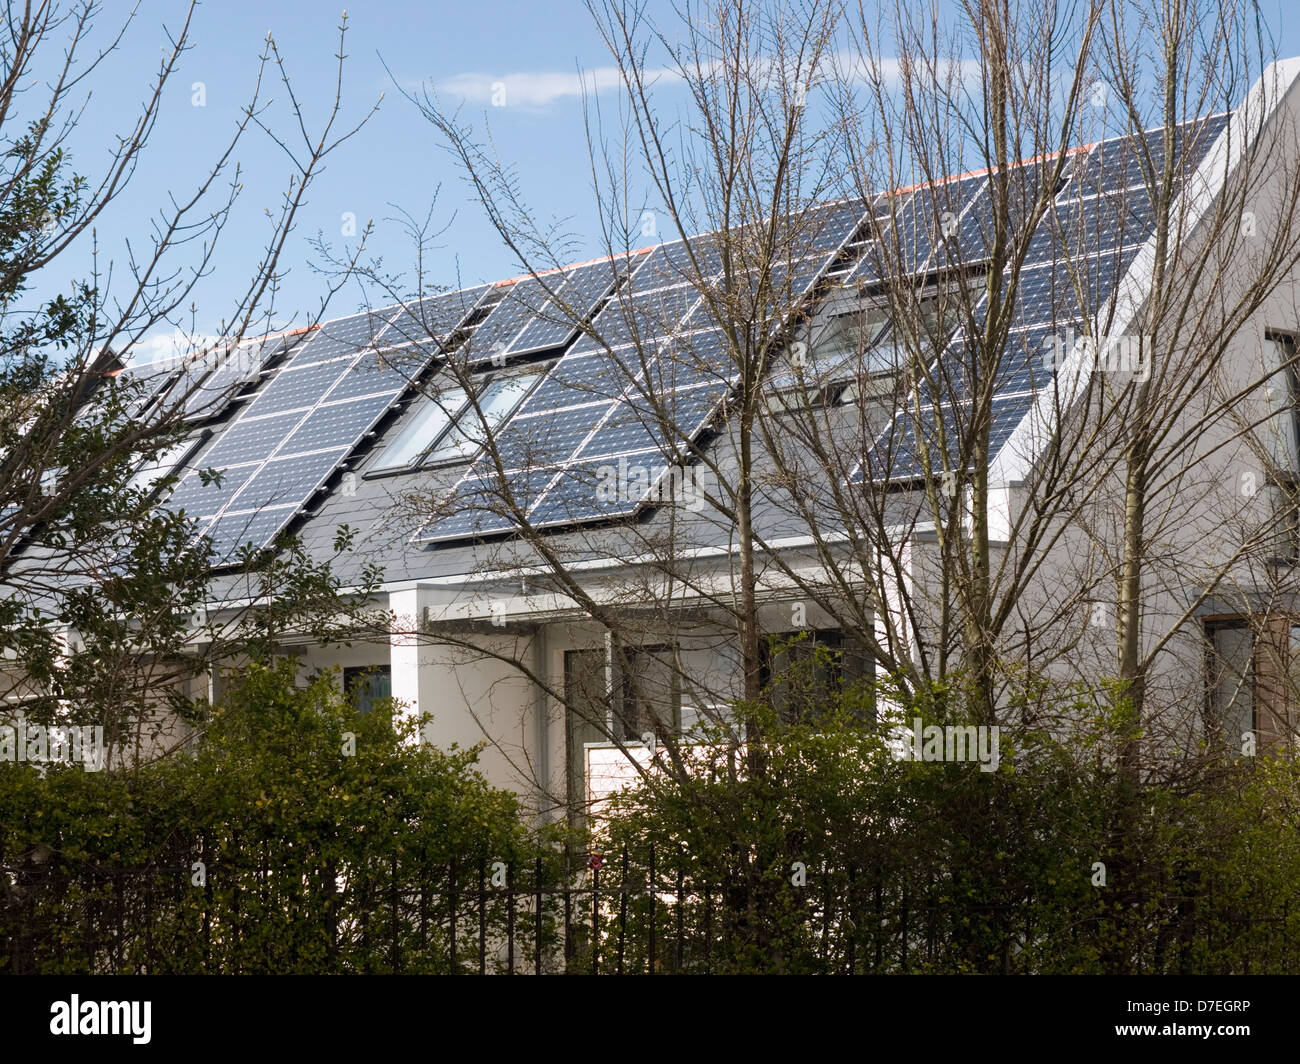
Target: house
[{"x": 546, "y": 469}]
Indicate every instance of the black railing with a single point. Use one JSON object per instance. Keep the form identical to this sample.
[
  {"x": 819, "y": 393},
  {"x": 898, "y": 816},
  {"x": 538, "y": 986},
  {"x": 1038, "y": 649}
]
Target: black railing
[{"x": 590, "y": 913}]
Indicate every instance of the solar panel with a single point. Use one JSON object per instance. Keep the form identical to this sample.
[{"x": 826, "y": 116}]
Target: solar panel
[
  {"x": 481, "y": 505},
  {"x": 335, "y": 424},
  {"x": 298, "y": 387},
  {"x": 282, "y": 481},
  {"x": 1116, "y": 163},
  {"x": 1027, "y": 362},
  {"x": 1075, "y": 260},
  {"x": 576, "y": 495},
  {"x": 690, "y": 261},
  {"x": 288, "y": 441},
  {"x": 898, "y": 453},
  {"x": 638, "y": 308},
  {"x": 231, "y": 534},
  {"x": 379, "y": 372},
  {"x": 546, "y": 438},
  {"x": 251, "y": 439},
  {"x": 344, "y": 337},
  {"x": 1100, "y": 223},
  {"x": 142, "y": 384},
  {"x": 200, "y": 501},
  {"x": 231, "y": 371},
  {"x": 641, "y": 319},
  {"x": 436, "y": 317},
  {"x": 576, "y": 380},
  {"x": 507, "y": 319},
  {"x": 691, "y": 360},
  {"x": 688, "y": 372},
  {"x": 574, "y": 295},
  {"x": 632, "y": 428},
  {"x": 970, "y": 235}
]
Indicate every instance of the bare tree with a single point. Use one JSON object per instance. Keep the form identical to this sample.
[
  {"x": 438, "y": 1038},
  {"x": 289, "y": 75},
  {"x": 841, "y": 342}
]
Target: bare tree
[
  {"x": 87, "y": 448},
  {"x": 950, "y": 418}
]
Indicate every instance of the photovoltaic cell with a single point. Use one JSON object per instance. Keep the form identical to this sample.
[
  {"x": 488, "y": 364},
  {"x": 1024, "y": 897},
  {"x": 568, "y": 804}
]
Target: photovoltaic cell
[
  {"x": 343, "y": 337},
  {"x": 1120, "y": 162},
  {"x": 1022, "y": 188},
  {"x": 484, "y": 505},
  {"x": 549, "y": 438},
  {"x": 290, "y": 439},
  {"x": 1027, "y": 362},
  {"x": 573, "y": 296},
  {"x": 511, "y": 315},
  {"x": 928, "y": 438},
  {"x": 640, "y": 320},
  {"x": 284, "y": 481},
  {"x": 1076, "y": 259},
  {"x": 632, "y": 426},
  {"x": 431, "y": 321},
  {"x": 200, "y": 501},
  {"x": 335, "y": 424},
  {"x": 232, "y": 369},
  {"x": 639, "y": 308},
  {"x": 686, "y": 371},
  {"x": 143, "y": 383},
  {"x": 587, "y": 491},
  {"x": 255, "y": 440},
  {"x": 1101, "y": 223},
  {"x": 230, "y": 534},
  {"x": 575, "y": 380},
  {"x": 297, "y": 387},
  {"x": 692, "y": 360},
  {"x": 379, "y": 372}
]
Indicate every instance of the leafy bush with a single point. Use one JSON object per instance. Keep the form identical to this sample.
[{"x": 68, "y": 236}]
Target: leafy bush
[
  {"x": 818, "y": 850},
  {"x": 298, "y": 836}
]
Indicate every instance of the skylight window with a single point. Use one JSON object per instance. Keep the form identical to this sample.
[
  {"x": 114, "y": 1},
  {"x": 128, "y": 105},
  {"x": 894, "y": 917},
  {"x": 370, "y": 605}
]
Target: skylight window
[
  {"x": 462, "y": 441},
  {"x": 867, "y": 342},
  {"x": 164, "y": 463},
  {"x": 450, "y": 429},
  {"x": 425, "y": 429}
]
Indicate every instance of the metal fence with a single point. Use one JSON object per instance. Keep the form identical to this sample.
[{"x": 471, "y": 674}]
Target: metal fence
[{"x": 589, "y": 913}]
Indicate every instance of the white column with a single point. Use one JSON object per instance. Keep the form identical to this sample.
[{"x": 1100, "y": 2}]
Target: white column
[
  {"x": 896, "y": 588},
  {"x": 404, "y": 650}
]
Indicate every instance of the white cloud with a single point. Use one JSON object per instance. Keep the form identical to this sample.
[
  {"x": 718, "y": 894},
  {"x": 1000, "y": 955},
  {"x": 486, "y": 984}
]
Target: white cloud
[{"x": 541, "y": 88}]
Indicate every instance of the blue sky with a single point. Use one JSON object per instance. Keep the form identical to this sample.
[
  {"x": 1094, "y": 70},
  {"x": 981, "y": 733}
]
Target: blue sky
[{"x": 395, "y": 163}]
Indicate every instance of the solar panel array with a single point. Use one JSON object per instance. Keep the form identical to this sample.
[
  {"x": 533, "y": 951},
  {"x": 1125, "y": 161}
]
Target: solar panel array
[
  {"x": 144, "y": 383},
  {"x": 642, "y": 382},
  {"x": 1077, "y": 256},
  {"x": 645, "y": 366},
  {"x": 301, "y": 425},
  {"x": 341, "y": 378},
  {"x": 224, "y": 373}
]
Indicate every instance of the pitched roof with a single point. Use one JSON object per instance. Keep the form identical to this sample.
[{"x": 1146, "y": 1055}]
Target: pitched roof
[{"x": 320, "y": 403}]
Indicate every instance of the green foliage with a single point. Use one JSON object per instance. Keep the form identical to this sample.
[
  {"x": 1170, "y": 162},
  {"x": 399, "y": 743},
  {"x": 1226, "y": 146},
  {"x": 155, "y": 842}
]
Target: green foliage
[
  {"x": 314, "y": 858},
  {"x": 938, "y": 867}
]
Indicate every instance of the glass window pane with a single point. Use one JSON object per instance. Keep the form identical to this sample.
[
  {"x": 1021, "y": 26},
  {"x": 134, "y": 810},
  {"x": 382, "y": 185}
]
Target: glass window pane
[
  {"x": 368, "y": 685},
  {"x": 423, "y": 429},
  {"x": 1232, "y": 681},
  {"x": 499, "y": 398},
  {"x": 164, "y": 463}
]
